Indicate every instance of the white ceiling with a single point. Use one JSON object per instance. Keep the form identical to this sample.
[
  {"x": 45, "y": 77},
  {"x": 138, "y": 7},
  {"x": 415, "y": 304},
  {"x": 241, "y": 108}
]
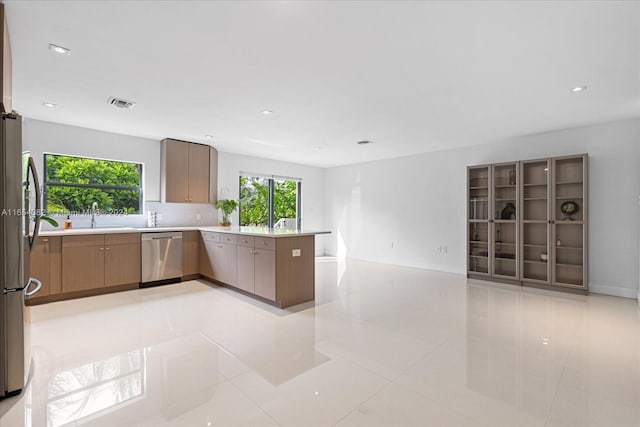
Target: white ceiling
[{"x": 413, "y": 77}]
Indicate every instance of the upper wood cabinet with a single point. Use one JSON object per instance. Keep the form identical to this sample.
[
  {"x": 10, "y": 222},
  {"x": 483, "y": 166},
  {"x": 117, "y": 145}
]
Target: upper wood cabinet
[{"x": 189, "y": 172}]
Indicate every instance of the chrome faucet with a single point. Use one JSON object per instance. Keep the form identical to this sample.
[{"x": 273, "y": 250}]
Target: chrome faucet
[{"x": 94, "y": 210}]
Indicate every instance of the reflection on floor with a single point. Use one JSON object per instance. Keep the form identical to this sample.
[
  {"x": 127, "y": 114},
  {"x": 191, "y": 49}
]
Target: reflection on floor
[{"x": 381, "y": 345}]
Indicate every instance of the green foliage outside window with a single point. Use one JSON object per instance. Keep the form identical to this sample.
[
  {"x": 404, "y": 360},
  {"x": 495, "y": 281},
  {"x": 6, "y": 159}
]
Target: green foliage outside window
[
  {"x": 254, "y": 200},
  {"x": 72, "y": 184}
]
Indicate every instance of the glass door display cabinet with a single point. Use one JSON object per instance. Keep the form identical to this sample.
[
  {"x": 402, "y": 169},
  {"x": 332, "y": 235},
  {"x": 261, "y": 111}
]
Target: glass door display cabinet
[
  {"x": 527, "y": 222},
  {"x": 535, "y": 224},
  {"x": 569, "y": 222},
  {"x": 478, "y": 184},
  {"x": 505, "y": 213}
]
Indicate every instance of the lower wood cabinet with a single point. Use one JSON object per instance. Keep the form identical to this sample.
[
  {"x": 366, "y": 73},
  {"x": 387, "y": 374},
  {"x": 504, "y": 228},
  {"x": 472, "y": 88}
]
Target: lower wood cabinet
[
  {"x": 99, "y": 261},
  {"x": 280, "y": 270},
  {"x": 82, "y": 263},
  {"x": 257, "y": 271},
  {"x": 121, "y": 259},
  {"x": 190, "y": 253},
  {"x": 265, "y": 273},
  {"x": 45, "y": 265},
  {"x": 217, "y": 259}
]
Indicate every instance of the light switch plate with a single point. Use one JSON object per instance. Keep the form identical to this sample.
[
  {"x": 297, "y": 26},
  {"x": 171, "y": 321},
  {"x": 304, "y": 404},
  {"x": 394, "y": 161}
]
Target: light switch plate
[{"x": 295, "y": 252}]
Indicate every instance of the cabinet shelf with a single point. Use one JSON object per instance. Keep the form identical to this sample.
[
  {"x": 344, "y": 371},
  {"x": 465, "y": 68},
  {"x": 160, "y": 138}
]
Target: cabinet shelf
[
  {"x": 512, "y": 199},
  {"x": 527, "y": 199},
  {"x": 478, "y": 256},
  {"x": 537, "y": 277},
  {"x": 569, "y": 182},
  {"x": 478, "y": 242},
  {"x": 574, "y": 248},
  {"x": 505, "y": 243},
  {"x": 569, "y": 197},
  {"x": 567, "y": 222},
  {"x": 506, "y": 186},
  {"x": 528, "y": 245},
  {"x": 527, "y": 261},
  {"x": 535, "y": 185},
  {"x": 569, "y": 265},
  {"x": 478, "y": 188}
]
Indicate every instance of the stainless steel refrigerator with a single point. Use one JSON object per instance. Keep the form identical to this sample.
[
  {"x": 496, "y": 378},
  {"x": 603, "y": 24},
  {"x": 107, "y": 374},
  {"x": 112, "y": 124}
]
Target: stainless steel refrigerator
[{"x": 18, "y": 235}]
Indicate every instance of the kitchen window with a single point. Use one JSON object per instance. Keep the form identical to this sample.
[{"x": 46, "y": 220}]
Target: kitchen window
[
  {"x": 270, "y": 201},
  {"x": 72, "y": 184}
]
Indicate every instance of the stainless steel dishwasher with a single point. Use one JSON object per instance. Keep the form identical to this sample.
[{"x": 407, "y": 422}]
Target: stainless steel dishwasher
[{"x": 161, "y": 258}]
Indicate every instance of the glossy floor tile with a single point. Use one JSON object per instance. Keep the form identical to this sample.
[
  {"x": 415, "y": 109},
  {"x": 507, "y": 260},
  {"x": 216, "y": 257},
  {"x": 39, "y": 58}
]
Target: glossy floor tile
[{"x": 381, "y": 345}]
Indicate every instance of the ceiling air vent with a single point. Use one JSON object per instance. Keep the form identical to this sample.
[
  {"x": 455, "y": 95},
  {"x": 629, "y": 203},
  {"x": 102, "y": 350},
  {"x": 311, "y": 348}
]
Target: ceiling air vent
[{"x": 121, "y": 103}]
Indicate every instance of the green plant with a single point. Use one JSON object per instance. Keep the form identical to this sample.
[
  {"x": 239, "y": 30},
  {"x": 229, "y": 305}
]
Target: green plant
[
  {"x": 227, "y": 206},
  {"x": 49, "y": 219}
]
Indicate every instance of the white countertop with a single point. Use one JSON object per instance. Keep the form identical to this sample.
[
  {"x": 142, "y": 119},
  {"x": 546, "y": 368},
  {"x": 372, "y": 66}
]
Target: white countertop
[{"x": 249, "y": 231}]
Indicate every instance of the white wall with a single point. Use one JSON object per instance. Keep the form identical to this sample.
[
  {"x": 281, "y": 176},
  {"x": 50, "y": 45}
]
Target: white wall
[
  {"x": 418, "y": 203},
  {"x": 40, "y": 137}
]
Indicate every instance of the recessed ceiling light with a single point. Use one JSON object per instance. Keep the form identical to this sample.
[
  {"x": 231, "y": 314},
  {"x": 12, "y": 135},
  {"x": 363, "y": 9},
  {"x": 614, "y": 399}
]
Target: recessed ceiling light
[
  {"x": 364, "y": 142},
  {"x": 49, "y": 104},
  {"x": 266, "y": 112},
  {"x": 59, "y": 49},
  {"x": 579, "y": 89},
  {"x": 209, "y": 136},
  {"x": 317, "y": 148}
]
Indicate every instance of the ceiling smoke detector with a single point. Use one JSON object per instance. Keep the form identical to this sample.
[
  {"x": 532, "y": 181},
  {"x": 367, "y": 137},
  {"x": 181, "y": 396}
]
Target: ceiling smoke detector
[
  {"x": 364, "y": 142},
  {"x": 121, "y": 103}
]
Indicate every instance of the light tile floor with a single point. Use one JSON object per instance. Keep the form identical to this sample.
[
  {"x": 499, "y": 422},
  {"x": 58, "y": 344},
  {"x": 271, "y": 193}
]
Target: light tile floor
[{"x": 382, "y": 345}]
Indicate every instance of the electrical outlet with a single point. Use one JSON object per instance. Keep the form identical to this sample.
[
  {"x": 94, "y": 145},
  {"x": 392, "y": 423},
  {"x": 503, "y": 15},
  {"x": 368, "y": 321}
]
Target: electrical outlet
[
  {"x": 295, "y": 252},
  {"x": 198, "y": 217}
]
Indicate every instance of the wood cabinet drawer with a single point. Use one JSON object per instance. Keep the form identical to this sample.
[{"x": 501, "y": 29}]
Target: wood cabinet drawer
[
  {"x": 210, "y": 236},
  {"x": 119, "y": 239},
  {"x": 247, "y": 241},
  {"x": 228, "y": 238},
  {"x": 265, "y": 243},
  {"x": 87, "y": 240}
]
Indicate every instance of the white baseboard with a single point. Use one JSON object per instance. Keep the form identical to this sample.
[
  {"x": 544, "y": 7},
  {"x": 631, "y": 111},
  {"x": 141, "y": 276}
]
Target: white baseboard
[{"x": 615, "y": 291}]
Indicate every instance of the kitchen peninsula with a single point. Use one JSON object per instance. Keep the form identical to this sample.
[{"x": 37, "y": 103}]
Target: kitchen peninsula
[{"x": 275, "y": 265}]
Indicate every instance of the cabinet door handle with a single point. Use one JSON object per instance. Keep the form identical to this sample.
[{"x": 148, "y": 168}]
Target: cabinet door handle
[
  {"x": 102, "y": 249},
  {"x": 45, "y": 240},
  {"x": 245, "y": 241},
  {"x": 108, "y": 248},
  {"x": 220, "y": 246}
]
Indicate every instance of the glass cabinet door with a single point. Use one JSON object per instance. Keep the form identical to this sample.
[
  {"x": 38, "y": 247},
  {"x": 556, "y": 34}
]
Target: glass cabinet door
[
  {"x": 568, "y": 219},
  {"x": 535, "y": 221},
  {"x": 504, "y": 214},
  {"x": 478, "y": 220}
]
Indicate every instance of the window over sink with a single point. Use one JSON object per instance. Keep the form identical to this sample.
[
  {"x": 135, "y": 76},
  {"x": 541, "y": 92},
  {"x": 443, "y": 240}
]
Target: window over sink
[{"x": 73, "y": 184}]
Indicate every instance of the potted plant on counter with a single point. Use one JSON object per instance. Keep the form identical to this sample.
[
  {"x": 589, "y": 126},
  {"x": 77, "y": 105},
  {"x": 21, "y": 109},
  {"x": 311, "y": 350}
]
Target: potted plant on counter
[{"x": 227, "y": 206}]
